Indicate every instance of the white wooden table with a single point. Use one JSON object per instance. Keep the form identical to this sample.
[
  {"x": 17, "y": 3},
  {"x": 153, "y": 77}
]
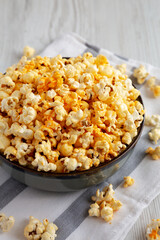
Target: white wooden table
[{"x": 128, "y": 28}]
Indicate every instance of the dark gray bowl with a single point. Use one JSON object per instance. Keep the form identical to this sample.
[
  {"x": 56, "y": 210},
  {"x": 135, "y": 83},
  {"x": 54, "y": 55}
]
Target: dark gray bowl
[{"x": 65, "y": 182}]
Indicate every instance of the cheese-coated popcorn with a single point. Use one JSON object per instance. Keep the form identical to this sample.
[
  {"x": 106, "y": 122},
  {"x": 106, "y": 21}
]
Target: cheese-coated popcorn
[
  {"x": 154, "y": 134},
  {"x": 6, "y": 223},
  {"x": 64, "y": 115},
  {"x": 28, "y": 51},
  {"x": 140, "y": 73},
  {"x": 107, "y": 213},
  {"x": 156, "y": 90},
  {"x": 128, "y": 181},
  {"x": 152, "y": 230},
  {"x": 155, "y": 153},
  {"x": 105, "y": 204}
]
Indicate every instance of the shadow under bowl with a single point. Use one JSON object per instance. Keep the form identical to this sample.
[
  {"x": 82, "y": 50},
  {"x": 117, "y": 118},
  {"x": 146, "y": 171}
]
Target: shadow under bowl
[{"x": 65, "y": 182}]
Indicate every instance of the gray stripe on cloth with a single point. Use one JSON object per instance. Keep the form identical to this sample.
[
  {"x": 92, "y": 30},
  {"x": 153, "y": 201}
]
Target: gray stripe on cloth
[
  {"x": 95, "y": 48},
  {"x": 94, "y": 53},
  {"x": 122, "y": 58},
  {"x": 76, "y": 213},
  {"x": 9, "y": 190}
]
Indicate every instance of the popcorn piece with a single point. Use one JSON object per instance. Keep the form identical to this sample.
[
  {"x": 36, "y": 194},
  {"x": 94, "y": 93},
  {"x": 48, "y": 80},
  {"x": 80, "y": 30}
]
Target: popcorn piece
[
  {"x": 37, "y": 230},
  {"x": 70, "y": 163},
  {"x": 152, "y": 230},
  {"x": 4, "y": 142},
  {"x": 107, "y": 213},
  {"x": 6, "y": 84},
  {"x": 140, "y": 73},
  {"x": 105, "y": 204},
  {"x": 94, "y": 210},
  {"x": 151, "y": 82},
  {"x": 6, "y": 223},
  {"x": 155, "y": 153},
  {"x": 74, "y": 117},
  {"x": 28, "y": 115},
  {"x": 154, "y": 134},
  {"x": 153, "y": 120},
  {"x": 156, "y": 90},
  {"x": 10, "y": 152},
  {"x": 28, "y": 51},
  {"x": 9, "y": 103},
  {"x": 127, "y": 139},
  {"x": 128, "y": 181},
  {"x": 122, "y": 68},
  {"x": 42, "y": 164}
]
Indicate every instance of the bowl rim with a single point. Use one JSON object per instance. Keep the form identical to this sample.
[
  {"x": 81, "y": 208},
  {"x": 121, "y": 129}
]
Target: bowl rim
[{"x": 76, "y": 174}]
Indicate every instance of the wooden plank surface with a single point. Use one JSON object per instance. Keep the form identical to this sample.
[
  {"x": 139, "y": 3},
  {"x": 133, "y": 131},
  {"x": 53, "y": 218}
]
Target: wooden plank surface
[{"x": 128, "y": 28}]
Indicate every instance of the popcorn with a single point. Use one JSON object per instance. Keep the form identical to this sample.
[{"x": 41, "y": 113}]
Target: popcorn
[
  {"x": 42, "y": 164},
  {"x": 74, "y": 117},
  {"x": 64, "y": 115},
  {"x": 6, "y": 223},
  {"x": 4, "y": 142},
  {"x": 38, "y": 230},
  {"x": 151, "y": 82},
  {"x": 128, "y": 181},
  {"x": 28, "y": 115},
  {"x": 105, "y": 204},
  {"x": 70, "y": 163},
  {"x": 107, "y": 213},
  {"x": 152, "y": 230},
  {"x": 155, "y": 153},
  {"x": 156, "y": 90},
  {"x": 140, "y": 73},
  {"x": 153, "y": 120},
  {"x": 6, "y": 84},
  {"x": 154, "y": 134},
  {"x": 28, "y": 51},
  {"x": 122, "y": 68}
]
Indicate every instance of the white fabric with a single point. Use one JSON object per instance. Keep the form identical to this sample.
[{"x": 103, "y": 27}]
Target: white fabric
[{"x": 43, "y": 204}]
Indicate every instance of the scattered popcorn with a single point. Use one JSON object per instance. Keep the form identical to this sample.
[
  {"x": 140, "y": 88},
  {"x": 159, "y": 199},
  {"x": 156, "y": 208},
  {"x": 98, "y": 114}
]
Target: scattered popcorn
[
  {"x": 153, "y": 230},
  {"x": 122, "y": 68},
  {"x": 153, "y": 120},
  {"x": 156, "y": 90},
  {"x": 28, "y": 51},
  {"x": 128, "y": 181},
  {"x": 37, "y": 230},
  {"x": 154, "y": 134},
  {"x": 155, "y": 153},
  {"x": 140, "y": 74},
  {"x": 105, "y": 204},
  {"x": 6, "y": 223},
  {"x": 151, "y": 82},
  {"x": 63, "y": 115}
]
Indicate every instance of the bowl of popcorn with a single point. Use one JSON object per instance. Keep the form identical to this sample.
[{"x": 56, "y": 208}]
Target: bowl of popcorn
[{"x": 67, "y": 123}]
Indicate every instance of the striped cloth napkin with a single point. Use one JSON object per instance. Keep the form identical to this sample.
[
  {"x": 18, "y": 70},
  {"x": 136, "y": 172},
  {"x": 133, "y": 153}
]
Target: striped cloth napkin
[{"x": 69, "y": 211}]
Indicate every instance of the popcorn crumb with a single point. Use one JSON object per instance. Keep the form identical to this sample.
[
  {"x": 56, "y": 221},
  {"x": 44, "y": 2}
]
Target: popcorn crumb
[
  {"x": 152, "y": 230},
  {"x": 140, "y": 74},
  {"x": 105, "y": 204},
  {"x": 38, "y": 230},
  {"x": 128, "y": 181},
  {"x": 155, "y": 153},
  {"x": 28, "y": 51},
  {"x": 6, "y": 223}
]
